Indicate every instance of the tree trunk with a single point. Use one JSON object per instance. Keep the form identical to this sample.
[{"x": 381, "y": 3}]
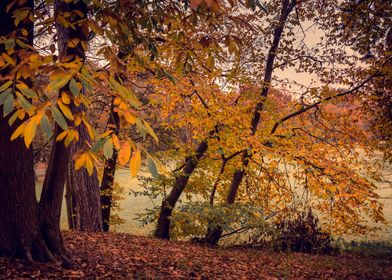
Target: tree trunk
[
  {"x": 53, "y": 186},
  {"x": 287, "y": 7},
  {"x": 20, "y": 229},
  {"x": 85, "y": 199},
  {"x": 20, "y": 233},
  {"x": 108, "y": 174},
  {"x": 163, "y": 227},
  {"x": 52, "y": 193},
  {"x": 69, "y": 198},
  {"x": 210, "y": 235}
]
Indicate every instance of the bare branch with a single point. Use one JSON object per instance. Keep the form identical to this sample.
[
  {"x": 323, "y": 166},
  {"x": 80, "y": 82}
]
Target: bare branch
[{"x": 308, "y": 107}]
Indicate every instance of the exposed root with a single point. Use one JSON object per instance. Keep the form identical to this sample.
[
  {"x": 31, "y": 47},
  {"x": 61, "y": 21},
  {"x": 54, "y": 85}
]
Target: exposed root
[
  {"x": 66, "y": 263},
  {"x": 36, "y": 249},
  {"x": 27, "y": 254},
  {"x": 42, "y": 251}
]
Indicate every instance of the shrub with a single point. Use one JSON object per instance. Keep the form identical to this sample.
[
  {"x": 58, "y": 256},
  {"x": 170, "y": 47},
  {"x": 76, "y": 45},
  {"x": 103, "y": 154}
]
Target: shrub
[{"x": 302, "y": 234}]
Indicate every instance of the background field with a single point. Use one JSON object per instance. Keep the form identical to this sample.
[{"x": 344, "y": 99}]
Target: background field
[{"x": 131, "y": 205}]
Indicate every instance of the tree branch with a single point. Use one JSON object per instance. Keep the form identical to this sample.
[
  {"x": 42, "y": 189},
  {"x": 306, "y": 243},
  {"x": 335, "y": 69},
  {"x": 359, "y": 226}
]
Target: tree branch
[{"x": 308, "y": 107}]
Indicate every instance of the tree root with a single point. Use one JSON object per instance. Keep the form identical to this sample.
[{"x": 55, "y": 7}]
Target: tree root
[{"x": 38, "y": 249}]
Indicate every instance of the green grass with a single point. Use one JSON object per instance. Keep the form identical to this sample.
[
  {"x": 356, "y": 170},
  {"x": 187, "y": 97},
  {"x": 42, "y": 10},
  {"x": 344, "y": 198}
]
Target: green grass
[{"x": 131, "y": 205}]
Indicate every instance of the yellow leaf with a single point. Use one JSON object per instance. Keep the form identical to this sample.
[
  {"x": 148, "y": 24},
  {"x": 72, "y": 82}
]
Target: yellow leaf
[
  {"x": 73, "y": 42},
  {"x": 150, "y": 131},
  {"x": 69, "y": 138},
  {"x": 58, "y": 80},
  {"x": 8, "y": 59},
  {"x": 124, "y": 154},
  {"x": 116, "y": 142},
  {"x": 18, "y": 131},
  {"x": 66, "y": 111},
  {"x": 136, "y": 163},
  {"x": 39, "y": 116},
  {"x": 90, "y": 130},
  {"x": 93, "y": 157},
  {"x": 89, "y": 166},
  {"x": 21, "y": 114},
  {"x": 76, "y": 135},
  {"x": 117, "y": 101},
  {"x": 29, "y": 132},
  {"x": 105, "y": 134},
  {"x": 20, "y": 15},
  {"x": 129, "y": 117},
  {"x": 62, "y": 135},
  {"x": 78, "y": 120},
  {"x": 79, "y": 162},
  {"x": 65, "y": 98},
  {"x": 123, "y": 106}
]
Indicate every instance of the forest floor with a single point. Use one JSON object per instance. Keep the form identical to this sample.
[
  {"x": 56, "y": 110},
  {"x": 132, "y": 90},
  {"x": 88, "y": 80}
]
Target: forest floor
[{"x": 122, "y": 256}]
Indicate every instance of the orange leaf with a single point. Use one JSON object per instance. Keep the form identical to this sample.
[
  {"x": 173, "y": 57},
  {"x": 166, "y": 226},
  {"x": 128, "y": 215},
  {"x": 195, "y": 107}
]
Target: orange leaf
[
  {"x": 136, "y": 163},
  {"x": 124, "y": 154}
]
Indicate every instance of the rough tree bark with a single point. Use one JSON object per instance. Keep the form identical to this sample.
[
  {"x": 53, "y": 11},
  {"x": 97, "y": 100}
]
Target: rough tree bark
[
  {"x": 84, "y": 191},
  {"x": 82, "y": 197},
  {"x": 53, "y": 186},
  {"x": 108, "y": 174},
  {"x": 69, "y": 198},
  {"x": 287, "y": 8},
  {"x": 20, "y": 228}
]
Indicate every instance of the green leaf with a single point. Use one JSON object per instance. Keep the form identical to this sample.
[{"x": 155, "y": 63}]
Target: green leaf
[
  {"x": 60, "y": 81},
  {"x": 8, "y": 105},
  {"x": 73, "y": 86},
  {"x": 86, "y": 85},
  {"x": 86, "y": 80},
  {"x": 152, "y": 167},
  {"x": 23, "y": 101},
  {"x": 46, "y": 126},
  {"x": 108, "y": 149},
  {"x": 125, "y": 93},
  {"x": 9, "y": 44},
  {"x": 13, "y": 118},
  {"x": 4, "y": 95},
  {"x": 5, "y": 85},
  {"x": 100, "y": 142},
  {"x": 27, "y": 91},
  {"x": 58, "y": 116},
  {"x": 20, "y": 15},
  {"x": 150, "y": 131}
]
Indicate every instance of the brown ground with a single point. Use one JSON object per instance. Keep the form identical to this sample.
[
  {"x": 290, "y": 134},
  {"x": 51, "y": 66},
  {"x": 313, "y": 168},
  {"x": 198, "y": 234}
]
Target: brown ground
[{"x": 122, "y": 256}]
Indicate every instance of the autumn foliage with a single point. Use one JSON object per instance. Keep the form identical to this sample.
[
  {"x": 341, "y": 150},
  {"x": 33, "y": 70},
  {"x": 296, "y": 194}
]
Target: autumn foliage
[{"x": 191, "y": 91}]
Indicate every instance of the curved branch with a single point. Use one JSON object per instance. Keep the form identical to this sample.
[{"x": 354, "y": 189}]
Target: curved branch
[{"x": 308, "y": 107}]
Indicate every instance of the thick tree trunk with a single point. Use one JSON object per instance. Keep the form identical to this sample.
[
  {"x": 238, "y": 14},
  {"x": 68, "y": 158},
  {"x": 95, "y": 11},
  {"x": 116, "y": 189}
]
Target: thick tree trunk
[
  {"x": 55, "y": 177},
  {"x": 85, "y": 199},
  {"x": 20, "y": 233},
  {"x": 108, "y": 174},
  {"x": 287, "y": 8},
  {"x": 52, "y": 193},
  {"x": 163, "y": 227},
  {"x": 20, "y": 228}
]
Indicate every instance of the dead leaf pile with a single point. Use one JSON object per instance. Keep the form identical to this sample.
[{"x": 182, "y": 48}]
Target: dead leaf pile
[{"x": 122, "y": 256}]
